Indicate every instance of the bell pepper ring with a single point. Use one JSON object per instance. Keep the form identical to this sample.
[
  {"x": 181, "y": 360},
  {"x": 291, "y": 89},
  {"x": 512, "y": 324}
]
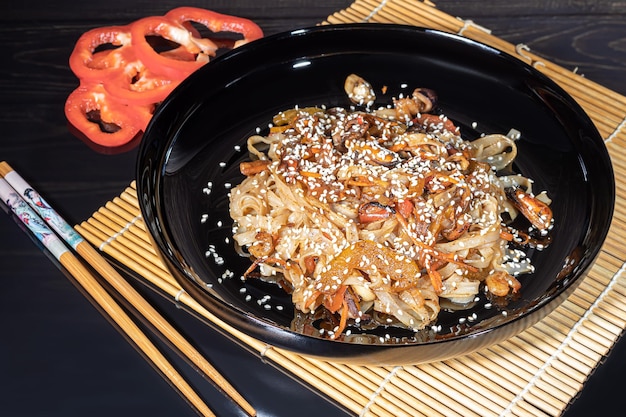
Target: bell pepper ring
[
  {"x": 144, "y": 115},
  {"x": 181, "y": 53},
  {"x": 125, "y": 72},
  {"x": 140, "y": 87},
  {"x": 217, "y": 22},
  {"x": 137, "y": 85},
  {"x": 87, "y": 63},
  {"x": 102, "y": 119},
  {"x": 200, "y": 49}
]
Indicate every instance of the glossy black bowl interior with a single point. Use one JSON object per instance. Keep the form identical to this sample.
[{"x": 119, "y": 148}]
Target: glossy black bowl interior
[{"x": 190, "y": 156}]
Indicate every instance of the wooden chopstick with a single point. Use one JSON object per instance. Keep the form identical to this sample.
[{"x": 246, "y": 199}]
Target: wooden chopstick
[
  {"x": 28, "y": 196},
  {"x": 86, "y": 279}
]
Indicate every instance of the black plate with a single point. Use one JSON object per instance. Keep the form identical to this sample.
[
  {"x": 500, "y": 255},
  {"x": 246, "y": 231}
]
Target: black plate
[{"x": 190, "y": 156}]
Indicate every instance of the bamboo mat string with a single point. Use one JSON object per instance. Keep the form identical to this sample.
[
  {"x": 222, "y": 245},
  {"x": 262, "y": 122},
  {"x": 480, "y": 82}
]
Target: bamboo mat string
[
  {"x": 468, "y": 24},
  {"x": 617, "y": 131},
  {"x": 120, "y": 233},
  {"x": 375, "y": 11},
  {"x": 536, "y": 373},
  {"x": 379, "y": 388}
]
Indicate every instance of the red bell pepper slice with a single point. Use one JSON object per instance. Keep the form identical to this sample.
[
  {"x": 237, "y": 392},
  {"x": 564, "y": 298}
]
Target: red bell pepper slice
[
  {"x": 217, "y": 22},
  {"x": 87, "y": 63},
  {"x": 123, "y": 77},
  {"x": 140, "y": 87},
  {"x": 173, "y": 67},
  {"x": 101, "y": 118},
  {"x": 137, "y": 85}
]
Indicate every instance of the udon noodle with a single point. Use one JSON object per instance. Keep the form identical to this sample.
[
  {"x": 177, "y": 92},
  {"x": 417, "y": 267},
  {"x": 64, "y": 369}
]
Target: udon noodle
[{"x": 383, "y": 213}]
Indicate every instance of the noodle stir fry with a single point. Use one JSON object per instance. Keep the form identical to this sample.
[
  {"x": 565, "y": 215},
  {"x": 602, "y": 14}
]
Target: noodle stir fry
[{"x": 384, "y": 213}]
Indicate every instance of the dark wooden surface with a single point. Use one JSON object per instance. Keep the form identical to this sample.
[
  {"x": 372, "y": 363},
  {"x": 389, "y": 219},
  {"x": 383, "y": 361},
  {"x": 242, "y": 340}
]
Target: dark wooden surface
[{"x": 58, "y": 355}]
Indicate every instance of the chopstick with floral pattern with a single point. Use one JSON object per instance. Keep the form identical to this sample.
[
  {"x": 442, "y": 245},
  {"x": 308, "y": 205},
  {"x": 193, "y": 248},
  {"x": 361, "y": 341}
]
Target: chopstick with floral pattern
[{"x": 43, "y": 221}]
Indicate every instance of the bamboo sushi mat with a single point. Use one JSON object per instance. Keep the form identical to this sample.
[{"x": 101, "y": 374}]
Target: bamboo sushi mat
[{"x": 536, "y": 373}]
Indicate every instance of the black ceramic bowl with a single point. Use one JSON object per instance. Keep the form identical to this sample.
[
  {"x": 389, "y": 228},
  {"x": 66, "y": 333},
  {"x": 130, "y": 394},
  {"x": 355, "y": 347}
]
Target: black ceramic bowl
[{"x": 190, "y": 156}]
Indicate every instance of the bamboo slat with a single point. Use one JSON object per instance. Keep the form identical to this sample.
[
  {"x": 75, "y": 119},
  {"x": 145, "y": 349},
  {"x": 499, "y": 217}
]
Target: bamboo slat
[{"x": 536, "y": 373}]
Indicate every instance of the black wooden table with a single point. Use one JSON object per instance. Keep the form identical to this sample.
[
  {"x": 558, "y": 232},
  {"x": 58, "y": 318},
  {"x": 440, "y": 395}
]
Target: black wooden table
[{"x": 58, "y": 356}]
